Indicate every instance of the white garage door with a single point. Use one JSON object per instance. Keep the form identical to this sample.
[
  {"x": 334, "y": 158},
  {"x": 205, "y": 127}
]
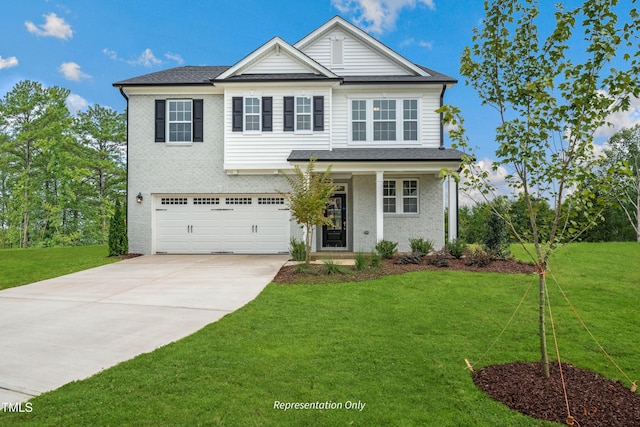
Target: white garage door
[{"x": 221, "y": 224}]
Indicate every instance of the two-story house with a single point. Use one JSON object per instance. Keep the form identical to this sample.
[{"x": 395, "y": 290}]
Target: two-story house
[{"x": 206, "y": 144}]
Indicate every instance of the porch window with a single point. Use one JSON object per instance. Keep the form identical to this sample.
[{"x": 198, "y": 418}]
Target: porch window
[{"x": 400, "y": 202}]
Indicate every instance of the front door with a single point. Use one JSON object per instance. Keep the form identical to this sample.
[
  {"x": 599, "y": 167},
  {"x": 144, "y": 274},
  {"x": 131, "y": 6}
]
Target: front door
[{"x": 334, "y": 235}]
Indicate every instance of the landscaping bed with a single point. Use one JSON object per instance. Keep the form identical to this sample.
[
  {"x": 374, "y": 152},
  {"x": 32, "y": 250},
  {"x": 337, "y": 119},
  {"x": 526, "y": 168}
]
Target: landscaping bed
[
  {"x": 594, "y": 401},
  {"x": 316, "y": 273}
]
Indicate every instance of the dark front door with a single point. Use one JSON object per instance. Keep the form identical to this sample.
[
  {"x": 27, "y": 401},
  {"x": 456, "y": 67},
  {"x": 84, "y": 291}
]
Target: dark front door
[{"x": 334, "y": 235}]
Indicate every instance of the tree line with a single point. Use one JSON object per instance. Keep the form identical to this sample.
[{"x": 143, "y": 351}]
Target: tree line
[
  {"x": 60, "y": 174},
  {"x": 618, "y": 206}
]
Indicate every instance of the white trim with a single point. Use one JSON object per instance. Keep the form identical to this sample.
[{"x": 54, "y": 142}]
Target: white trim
[
  {"x": 379, "y": 206},
  {"x": 270, "y": 47},
  {"x": 400, "y": 197},
  {"x": 399, "y": 120}
]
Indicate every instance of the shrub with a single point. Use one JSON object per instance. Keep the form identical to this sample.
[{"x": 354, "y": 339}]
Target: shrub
[
  {"x": 118, "y": 241},
  {"x": 375, "y": 260},
  {"x": 297, "y": 249},
  {"x": 496, "y": 239},
  {"x": 420, "y": 245},
  {"x": 386, "y": 249},
  {"x": 478, "y": 257},
  {"x": 412, "y": 258},
  {"x": 360, "y": 261},
  {"x": 456, "y": 248},
  {"x": 332, "y": 267},
  {"x": 439, "y": 258}
]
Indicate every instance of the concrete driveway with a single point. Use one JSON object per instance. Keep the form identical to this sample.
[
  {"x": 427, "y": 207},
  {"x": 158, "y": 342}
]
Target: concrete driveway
[{"x": 71, "y": 327}]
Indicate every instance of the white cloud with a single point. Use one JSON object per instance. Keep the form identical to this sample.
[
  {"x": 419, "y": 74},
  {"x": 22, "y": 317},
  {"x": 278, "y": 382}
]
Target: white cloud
[
  {"x": 377, "y": 16},
  {"x": 146, "y": 58},
  {"x": 412, "y": 42},
  {"x": 76, "y": 103},
  {"x": 71, "y": 71},
  {"x": 496, "y": 178},
  {"x": 9, "y": 62},
  {"x": 54, "y": 26},
  {"x": 621, "y": 120},
  {"x": 174, "y": 57}
]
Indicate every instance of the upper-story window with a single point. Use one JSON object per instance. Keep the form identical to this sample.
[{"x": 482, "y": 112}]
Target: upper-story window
[
  {"x": 252, "y": 114},
  {"x": 303, "y": 113},
  {"x": 384, "y": 120},
  {"x": 179, "y": 121}
]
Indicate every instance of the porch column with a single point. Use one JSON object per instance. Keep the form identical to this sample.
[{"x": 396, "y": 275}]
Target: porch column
[
  {"x": 453, "y": 208},
  {"x": 379, "y": 206}
]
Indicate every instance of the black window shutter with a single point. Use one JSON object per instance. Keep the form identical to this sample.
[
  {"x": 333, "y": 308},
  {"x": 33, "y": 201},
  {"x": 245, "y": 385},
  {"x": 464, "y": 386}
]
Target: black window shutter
[
  {"x": 159, "y": 116},
  {"x": 237, "y": 114},
  {"x": 267, "y": 113},
  {"x": 198, "y": 119},
  {"x": 289, "y": 116},
  {"x": 318, "y": 113}
]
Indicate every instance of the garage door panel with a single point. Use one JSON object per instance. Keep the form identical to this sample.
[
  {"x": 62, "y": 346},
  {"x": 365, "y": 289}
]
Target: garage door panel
[{"x": 221, "y": 223}]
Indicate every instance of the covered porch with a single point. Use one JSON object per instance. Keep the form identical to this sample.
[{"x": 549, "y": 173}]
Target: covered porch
[{"x": 385, "y": 193}]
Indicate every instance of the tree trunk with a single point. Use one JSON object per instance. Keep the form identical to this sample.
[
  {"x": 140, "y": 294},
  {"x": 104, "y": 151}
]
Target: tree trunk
[{"x": 543, "y": 334}]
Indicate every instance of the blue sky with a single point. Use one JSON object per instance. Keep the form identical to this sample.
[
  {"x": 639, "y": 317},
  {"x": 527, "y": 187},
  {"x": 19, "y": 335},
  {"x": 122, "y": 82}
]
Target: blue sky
[{"x": 85, "y": 46}]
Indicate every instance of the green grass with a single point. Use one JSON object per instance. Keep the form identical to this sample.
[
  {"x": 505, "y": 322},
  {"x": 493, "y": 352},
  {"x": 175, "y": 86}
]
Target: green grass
[
  {"x": 397, "y": 344},
  {"x": 22, "y": 266}
]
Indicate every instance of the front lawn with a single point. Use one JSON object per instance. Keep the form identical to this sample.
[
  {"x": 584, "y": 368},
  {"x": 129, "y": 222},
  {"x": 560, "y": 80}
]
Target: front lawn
[
  {"x": 22, "y": 266},
  {"x": 395, "y": 344}
]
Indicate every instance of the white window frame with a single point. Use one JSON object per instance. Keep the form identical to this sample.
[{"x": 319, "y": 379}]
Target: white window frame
[
  {"x": 297, "y": 114},
  {"x": 399, "y": 120},
  {"x": 399, "y": 196},
  {"x": 245, "y": 114},
  {"x": 182, "y": 121}
]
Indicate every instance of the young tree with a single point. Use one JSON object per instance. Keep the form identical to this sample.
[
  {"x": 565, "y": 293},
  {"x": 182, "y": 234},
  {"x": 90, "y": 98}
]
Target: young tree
[
  {"x": 549, "y": 105},
  {"x": 622, "y": 159},
  {"x": 308, "y": 199},
  {"x": 118, "y": 240}
]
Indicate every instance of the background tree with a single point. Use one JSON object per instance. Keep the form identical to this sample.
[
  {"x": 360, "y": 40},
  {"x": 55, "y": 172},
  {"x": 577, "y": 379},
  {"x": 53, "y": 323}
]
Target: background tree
[
  {"x": 102, "y": 133},
  {"x": 549, "y": 107},
  {"x": 622, "y": 159},
  {"x": 308, "y": 199}
]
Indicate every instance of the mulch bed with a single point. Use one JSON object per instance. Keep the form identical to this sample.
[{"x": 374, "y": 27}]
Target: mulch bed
[
  {"x": 288, "y": 274},
  {"x": 594, "y": 401}
]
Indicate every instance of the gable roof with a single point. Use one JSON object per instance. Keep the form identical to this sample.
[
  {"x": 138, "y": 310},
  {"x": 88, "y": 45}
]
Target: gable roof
[
  {"x": 276, "y": 46},
  {"x": 305, "y": 68},
  {"x": 337, "y": 22}
]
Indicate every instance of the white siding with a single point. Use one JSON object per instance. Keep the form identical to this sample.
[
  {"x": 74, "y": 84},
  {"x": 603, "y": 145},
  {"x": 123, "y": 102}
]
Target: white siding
[
  {"x": 359, "y": 59},
  {"x": 269, "y": 150},
  {"x": 276, "y": 63},
  {"x": 429, "y": 120}
]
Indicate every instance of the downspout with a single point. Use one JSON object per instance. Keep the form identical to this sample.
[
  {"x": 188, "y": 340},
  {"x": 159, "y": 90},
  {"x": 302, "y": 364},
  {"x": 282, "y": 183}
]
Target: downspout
[
  {"x": 126, "y": 205},
  {"x": 444, "y": 89}
]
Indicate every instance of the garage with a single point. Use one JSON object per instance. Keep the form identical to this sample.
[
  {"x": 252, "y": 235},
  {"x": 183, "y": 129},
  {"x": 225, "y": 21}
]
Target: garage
[{"x": 214, "y": 224}]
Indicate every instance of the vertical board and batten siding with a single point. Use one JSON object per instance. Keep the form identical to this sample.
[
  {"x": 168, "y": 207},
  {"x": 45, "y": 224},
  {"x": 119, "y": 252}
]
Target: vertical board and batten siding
[
  {"x": 270, "y": 149},
  {"x": 359, "y": 59},
  {"x": 429, "y": 120}
]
